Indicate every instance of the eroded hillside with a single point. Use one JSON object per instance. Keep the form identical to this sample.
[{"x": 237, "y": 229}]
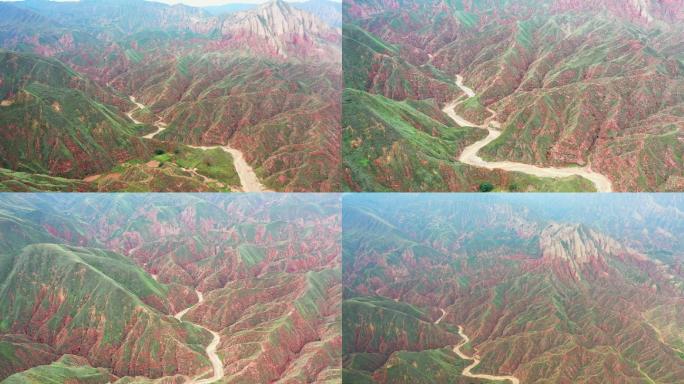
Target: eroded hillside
[
  {"x": 148, "y": 287},
  {"x": 512, "y": 288}
]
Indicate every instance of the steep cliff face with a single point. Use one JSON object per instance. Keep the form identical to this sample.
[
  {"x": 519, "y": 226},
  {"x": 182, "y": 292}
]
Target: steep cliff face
[
  {"x": 576, "y": 248},
  {"x": 282, "y": 30}
]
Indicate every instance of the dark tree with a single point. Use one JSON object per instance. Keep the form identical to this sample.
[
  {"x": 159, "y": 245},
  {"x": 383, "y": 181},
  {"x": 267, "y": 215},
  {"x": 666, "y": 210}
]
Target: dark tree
[{"x": 486, "y": 187}]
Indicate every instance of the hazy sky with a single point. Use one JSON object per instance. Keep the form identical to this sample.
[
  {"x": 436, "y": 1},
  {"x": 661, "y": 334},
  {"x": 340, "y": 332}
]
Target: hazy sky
[
  {"x": 202, "y": 3},
  {"x": 198, "y": 3}
]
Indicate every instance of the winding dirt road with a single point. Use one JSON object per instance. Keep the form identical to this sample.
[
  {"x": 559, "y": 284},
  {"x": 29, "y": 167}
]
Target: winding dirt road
[
  {"x": 470, "y": 156},
  {"x": 137, "y": 106},
  {"x": 441, "y": 317},
  {"x": 159, "y": 124},
  {"x": 160, "y": 127},
  {"x": 467, "y": 371},
  {"x": 248, "y": 179},
  {"x": 216, "y": 362}
]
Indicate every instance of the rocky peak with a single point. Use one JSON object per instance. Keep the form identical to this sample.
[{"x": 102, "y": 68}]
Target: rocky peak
[
  {"x": 574, "y": 248},
  {"x": 576, "y": 242},
  {"x": 278, "y": 25},
  {"x": 277, "y": 18}
]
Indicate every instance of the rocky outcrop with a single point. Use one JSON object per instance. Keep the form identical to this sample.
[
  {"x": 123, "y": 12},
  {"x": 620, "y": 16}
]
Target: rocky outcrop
[
  {"x": 281, "y": 30},
  {"x": 574, "y": 248}
]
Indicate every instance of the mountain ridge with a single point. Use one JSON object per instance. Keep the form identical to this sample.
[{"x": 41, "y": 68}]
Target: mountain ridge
[
  {"x": 575, "y": 249},
  {"x": 285, "y": 30}
]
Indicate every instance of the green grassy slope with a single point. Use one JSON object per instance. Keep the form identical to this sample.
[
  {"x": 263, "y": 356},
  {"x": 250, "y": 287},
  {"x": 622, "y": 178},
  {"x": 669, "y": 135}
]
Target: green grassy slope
[
  {"x": 18, "y": 353},
  {"x": 69, "y": 369},
  {"x": 14, "y": 181},
  {"x": 413, "y": 146},
  {"x": 54, "y": 121},
  {"x": 79, "y": 289},
  {"x": 376, "y": 324},
  {"x": 172, "y": 167}
]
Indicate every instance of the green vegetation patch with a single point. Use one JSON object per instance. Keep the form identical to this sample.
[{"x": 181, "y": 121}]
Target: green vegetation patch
[
  {"x": 68, "y": 369},
  {"x": 251, "y": 254}
]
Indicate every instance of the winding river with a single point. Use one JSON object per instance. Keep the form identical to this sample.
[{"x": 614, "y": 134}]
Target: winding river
[
  {"x": 216, "y": 362},
  {"x": 470, "y": 153},
  {"x": 248, "y": 179},
  {"x": 468, "y": 371}
]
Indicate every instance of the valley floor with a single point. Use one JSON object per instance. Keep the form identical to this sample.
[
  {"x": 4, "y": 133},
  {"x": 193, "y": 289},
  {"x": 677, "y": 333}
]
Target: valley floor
[{"x": 248, "y": 178}]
